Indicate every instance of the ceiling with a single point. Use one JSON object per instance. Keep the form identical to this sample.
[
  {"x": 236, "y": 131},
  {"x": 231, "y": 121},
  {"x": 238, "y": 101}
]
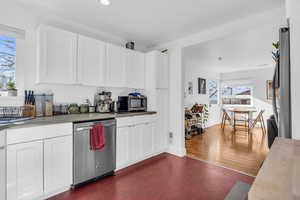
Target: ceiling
[
  {"x": 241, "y": 51},
  {"x": 152, "y": 22}
]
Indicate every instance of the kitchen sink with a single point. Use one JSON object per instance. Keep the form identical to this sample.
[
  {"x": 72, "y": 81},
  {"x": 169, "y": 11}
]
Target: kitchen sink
[{"x": 6, "y": 121}]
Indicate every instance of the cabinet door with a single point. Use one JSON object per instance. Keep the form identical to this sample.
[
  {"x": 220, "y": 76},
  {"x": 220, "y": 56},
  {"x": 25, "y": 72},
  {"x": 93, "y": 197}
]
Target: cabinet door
[
  {"x": 162, "y": 71},
  {"x": 135, "y": 143},
  {"x": 2, "y": 173},
  {"x": 122, "y": 146},
  {"x": 135, "y": 69},
  {"x": 57, "y": 55},
  {"x": 57, "y": 163},
  {"x": 115, "y": 68},
  {"x": 147, "y": 139},
  {"x": 25, "y": 171},
  {"x": 91, "y": 61},
  {"x": 162, "y": 130}
]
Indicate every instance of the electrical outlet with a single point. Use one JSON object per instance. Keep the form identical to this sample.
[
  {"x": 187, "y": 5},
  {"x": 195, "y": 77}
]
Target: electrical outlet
[{"x": 170, "y": 137}]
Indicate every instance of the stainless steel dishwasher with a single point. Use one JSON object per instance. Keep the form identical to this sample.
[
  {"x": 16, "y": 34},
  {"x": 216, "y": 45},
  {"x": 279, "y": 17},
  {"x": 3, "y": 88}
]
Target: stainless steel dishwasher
[{"x": 89, "y": 165}]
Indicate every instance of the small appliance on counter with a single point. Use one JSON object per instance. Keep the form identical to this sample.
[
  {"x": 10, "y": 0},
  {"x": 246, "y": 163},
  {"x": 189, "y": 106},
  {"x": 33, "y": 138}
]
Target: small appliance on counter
[
  {"x": 134, "y": 102},
  {"x": 104, "y": 103}
]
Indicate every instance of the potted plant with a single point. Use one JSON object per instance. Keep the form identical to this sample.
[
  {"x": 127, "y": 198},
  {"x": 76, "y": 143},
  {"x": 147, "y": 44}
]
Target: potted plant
[{"x": 11, "y": 88}]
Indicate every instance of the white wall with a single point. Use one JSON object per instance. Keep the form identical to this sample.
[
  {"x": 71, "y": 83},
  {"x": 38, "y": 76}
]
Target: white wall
[
  {"x": 192, "y": 71},
  {"x": 15, "y": 16},
  {"x": 176, "y": 120},
  {"x": 257, "y": 78},
  {"x": 293, "y": 7}
]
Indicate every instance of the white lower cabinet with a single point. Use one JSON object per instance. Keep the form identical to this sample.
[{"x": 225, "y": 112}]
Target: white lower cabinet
[
  {"x": 57, "y": 164},
  {"x": 2, "y": 173},
  {"x": 25, "y": 171},
  {"x": 147, "y": 138},
  {"x": 122, "y": 146},
  {"x": 135, "y": 140},
  {"x": 39, "y": 161}
]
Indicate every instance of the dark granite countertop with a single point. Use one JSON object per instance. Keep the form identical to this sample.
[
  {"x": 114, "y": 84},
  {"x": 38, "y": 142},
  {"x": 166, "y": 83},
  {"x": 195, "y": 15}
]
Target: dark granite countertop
[{"x": 72, "y": 118}]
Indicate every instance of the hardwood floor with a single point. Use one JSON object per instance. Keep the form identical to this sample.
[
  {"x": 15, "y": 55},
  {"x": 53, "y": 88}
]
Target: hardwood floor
[
  {"x": 164, "y": 177},
  {"x": 238, "y": 152}
]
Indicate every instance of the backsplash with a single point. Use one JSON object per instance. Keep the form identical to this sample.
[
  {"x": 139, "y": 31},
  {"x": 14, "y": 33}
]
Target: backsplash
[{"x": 67, "y": 93}]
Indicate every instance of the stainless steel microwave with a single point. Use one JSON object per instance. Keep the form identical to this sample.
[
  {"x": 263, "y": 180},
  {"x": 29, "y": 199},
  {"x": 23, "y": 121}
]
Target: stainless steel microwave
[{"x": 132, "y": 103}]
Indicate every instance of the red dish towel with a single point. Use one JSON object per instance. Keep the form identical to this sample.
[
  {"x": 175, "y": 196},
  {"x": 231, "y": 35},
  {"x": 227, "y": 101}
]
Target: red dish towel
[{"x": 97, "y": 137}]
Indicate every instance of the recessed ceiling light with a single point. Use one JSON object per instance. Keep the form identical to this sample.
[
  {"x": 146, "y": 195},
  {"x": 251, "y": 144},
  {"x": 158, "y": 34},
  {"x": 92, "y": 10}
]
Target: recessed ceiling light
[{"x": 104, "y": 2}]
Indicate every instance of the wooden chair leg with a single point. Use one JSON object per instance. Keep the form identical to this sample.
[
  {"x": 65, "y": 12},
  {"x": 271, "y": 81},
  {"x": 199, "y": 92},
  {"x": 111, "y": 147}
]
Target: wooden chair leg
[
  {"x": 248, "y": 124},
  {"x": 234, "y": 123},
  {"x": 222, "y": 121},
  {"x": 263, "y": 125}
]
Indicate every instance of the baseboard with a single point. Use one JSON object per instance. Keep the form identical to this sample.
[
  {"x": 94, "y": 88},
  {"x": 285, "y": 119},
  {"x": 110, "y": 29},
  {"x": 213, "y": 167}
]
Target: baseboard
[
  {"x": 140, "y": 160},
  {"x": 181, "y": 152},
  {"x": 56, "y": 192}
]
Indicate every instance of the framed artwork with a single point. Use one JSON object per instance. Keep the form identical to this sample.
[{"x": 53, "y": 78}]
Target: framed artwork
[
  {"x": 269, "y": 90},
  {"x": 213, "y": 91},
  {"x": 201, "y": 86},
  {"x": 190, "y": 88}
]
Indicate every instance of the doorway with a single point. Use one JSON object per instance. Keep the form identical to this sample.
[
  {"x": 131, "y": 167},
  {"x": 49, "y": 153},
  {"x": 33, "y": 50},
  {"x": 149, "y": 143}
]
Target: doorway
[{"x": 227, "y": 98}]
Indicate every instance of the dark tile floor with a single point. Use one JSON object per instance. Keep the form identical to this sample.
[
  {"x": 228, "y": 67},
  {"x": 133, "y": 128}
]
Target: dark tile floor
[{"x": 164, "y": 177}]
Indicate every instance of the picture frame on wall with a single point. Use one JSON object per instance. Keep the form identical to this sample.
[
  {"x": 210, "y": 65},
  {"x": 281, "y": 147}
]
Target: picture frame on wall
[
  {"x": 190, "y": 88},
  {"x": 201, "y": 86},
  {"x": 213, "y": 91}
]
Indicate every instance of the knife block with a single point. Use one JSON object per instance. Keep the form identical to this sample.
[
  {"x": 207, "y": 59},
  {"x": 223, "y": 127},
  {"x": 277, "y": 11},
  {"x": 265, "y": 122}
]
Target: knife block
[{"x": 28, "y": 110}]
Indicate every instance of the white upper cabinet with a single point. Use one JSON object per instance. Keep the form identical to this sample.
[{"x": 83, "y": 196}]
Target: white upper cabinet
[
  {"x": 156, "y": 70},
  {"x": 162, "y": 71},
  {"x": 135, "y": 69},
  {"x": 116, "y": 66},
  {"x": 91, "y": 61},
  {"x": 57, "y": 56},
  {"x": 69, "y": 58}
]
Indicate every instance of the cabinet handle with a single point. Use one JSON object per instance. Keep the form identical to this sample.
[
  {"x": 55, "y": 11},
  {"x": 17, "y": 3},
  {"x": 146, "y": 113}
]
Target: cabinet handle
[{"x": 1, "y": 148}]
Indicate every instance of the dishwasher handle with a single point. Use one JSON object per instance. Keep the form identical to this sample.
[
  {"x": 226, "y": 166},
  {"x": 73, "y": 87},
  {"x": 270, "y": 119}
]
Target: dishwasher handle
[{"x": 84, "y": 128}]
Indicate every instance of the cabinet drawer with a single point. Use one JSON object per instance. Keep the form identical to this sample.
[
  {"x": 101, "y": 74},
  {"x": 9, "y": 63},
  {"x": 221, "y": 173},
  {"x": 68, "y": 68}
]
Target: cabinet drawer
[
  {"x": 2, "y": 138},
  {"x": 19, "y": 135},
  {"x": 128, "y": 121}
]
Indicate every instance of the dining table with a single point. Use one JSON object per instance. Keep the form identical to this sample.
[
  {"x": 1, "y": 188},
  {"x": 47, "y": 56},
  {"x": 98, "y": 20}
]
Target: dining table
[{"x": 248, "y": 114}]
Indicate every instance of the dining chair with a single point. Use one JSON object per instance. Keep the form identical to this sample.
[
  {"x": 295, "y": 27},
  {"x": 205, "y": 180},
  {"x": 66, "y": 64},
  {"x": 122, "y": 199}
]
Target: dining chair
[
  {"x": 241, "y": 121},
  {"x": 259, "y": 119},
  {"x": 225, "y": 117}
]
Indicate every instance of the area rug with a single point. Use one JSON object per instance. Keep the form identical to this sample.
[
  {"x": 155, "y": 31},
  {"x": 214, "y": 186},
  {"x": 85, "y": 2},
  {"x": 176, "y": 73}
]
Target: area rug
[{"x": 239, "y": 191}]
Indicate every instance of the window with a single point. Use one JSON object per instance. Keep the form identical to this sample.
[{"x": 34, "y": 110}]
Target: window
[
  {"x": 237, "y": 95},
  {"x": 7, "y": 62}
]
